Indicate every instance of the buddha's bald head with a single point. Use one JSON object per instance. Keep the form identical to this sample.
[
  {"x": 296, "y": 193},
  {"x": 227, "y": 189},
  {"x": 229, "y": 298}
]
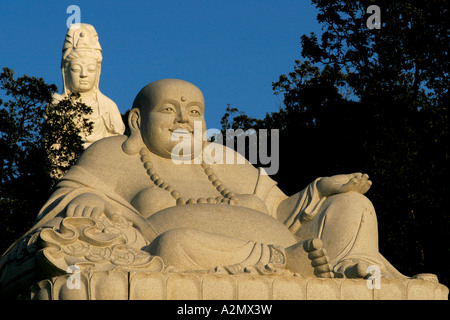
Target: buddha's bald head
[
  {"x": 165, "y": 107},
  {"x": 174, "y": 90}
]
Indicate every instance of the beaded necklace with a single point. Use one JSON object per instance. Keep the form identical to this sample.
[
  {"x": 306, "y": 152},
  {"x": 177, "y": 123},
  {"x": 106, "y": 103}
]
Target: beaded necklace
[{"x": 226, "y": 197}]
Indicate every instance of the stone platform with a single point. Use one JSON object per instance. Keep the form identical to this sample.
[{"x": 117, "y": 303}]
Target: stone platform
[{"x": 122, "y": 285}]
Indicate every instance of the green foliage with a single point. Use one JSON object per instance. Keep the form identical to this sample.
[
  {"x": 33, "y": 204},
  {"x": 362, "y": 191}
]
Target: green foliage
[
  {"x": 64, "y": 122},
  {"x": 31, "y": 124},
  {"x": 374, "y": 101},
  {"x": 20, "y": 154}
]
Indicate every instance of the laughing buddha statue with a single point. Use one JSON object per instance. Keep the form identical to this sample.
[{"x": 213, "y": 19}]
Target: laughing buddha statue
[{"x": 126, "y": 204}]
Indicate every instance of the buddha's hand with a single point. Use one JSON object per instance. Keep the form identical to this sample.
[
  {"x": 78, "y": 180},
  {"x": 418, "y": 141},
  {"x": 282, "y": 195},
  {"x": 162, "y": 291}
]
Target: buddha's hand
[
  {"x": 342, "y": 183},
  {"x": 90, "y": 206}
]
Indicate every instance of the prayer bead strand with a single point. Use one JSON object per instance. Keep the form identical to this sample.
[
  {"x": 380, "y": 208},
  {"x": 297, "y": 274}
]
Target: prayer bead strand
[{"x": 228, "y": 197}]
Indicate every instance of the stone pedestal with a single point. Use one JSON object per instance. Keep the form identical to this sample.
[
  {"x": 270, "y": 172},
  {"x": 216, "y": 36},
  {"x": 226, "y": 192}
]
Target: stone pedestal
[{"x": 122, "y": 285}]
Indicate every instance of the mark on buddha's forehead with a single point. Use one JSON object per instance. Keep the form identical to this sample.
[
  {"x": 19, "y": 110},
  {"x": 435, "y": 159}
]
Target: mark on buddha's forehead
[{"x": 183, "y": 98}]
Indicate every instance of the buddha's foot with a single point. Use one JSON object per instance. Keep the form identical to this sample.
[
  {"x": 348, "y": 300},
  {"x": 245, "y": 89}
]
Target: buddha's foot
[
  {"x": 354, "y": 270},
  {"x": 308, "y": 258}
]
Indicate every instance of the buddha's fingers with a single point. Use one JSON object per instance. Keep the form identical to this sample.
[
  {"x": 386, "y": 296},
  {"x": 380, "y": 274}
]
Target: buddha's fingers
[
  {"x": 78, "y": 211},
  {"x": 96, "y": 212},
  {"x": 70, "y": 210},
  {"x": 87, "y": 211}
]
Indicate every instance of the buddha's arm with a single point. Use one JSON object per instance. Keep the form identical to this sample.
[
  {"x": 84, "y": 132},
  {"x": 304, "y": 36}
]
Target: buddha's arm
[
  {"x": 89, "y": 205},
  {"x": 91, "y": 184},
  {"x": 302, "y": 206},
  {"x": 294, "y": 210}
]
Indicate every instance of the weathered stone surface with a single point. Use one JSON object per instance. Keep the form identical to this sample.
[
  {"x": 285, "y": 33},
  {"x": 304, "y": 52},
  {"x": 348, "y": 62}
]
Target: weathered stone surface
[
  {"x": 179, "y": 286},
  {"x": 163, "y": 214}
]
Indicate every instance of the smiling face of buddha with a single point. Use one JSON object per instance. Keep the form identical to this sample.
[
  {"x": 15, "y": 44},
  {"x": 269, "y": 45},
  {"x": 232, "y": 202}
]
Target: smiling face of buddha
[{"x": 169, "y": 108}]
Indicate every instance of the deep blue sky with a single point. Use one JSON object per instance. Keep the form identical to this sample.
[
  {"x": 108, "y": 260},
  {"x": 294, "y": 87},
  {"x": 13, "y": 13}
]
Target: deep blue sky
[{"x": 231, "y": 49}]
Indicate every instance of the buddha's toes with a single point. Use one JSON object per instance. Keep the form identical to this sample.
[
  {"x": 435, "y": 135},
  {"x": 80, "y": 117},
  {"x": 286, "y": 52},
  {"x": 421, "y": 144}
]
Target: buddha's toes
[{"x": 309, "y": 258}]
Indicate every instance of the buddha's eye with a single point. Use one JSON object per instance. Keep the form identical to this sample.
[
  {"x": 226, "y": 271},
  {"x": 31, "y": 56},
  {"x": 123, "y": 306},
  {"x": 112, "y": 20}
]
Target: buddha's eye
[
  {"x": 167, "y": 108},
  {"x": 92, "y": 68},
  {"x": 195, "y": 112},
  {"x": 75, "y": 69}
]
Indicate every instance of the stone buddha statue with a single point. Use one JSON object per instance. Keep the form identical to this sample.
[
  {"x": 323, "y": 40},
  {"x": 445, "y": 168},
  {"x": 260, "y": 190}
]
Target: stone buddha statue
[
  {"x": 81, "y": 65},
  {"x": 126, "y": 205}
]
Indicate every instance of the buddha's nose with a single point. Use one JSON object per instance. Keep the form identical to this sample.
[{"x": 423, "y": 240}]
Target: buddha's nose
[
  {"x": 83, "y": 73},
  {"x": 182, "y": 117}
]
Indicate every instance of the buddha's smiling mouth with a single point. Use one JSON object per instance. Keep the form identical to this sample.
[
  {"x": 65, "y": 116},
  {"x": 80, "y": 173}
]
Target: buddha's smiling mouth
[{"x": 180, "y": 130}]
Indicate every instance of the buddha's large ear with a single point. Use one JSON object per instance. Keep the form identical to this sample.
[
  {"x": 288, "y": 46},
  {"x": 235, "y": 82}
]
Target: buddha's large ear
[
  {"x": 134, "y": 142},
  {"x": 134, "y": 119}
]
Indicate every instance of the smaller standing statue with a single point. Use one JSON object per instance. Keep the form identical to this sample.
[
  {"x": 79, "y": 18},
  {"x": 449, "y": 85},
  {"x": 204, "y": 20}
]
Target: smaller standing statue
[{"x": 81, "y": 65}]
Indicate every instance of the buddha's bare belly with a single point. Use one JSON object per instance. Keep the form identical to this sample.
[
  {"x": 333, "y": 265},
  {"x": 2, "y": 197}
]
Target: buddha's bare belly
[{"x": 233, "y": 221}]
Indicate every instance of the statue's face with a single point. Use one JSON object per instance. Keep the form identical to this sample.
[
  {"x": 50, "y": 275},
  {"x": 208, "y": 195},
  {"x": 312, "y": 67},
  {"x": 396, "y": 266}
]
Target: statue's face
[
  {"x": 81, "y": 74},
  {"x": 171, "y": 112}
]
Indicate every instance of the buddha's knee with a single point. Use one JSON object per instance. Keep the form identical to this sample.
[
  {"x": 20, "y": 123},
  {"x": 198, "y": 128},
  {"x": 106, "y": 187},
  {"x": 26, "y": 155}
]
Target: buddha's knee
[
  {"x": 347, "y": 217},
  {"x": 350, "y": 204}
]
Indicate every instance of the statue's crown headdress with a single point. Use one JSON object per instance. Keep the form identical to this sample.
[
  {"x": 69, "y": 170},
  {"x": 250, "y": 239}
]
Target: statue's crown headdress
[{"x": 81, "y": 38}]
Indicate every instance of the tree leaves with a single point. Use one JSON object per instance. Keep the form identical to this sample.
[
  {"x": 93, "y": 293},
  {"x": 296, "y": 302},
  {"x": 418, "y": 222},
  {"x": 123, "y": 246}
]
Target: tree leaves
[
  {"x": 31, "y": 124},
  {"x": 375, "y": 101},
  {"x": 64, "y": 145}
]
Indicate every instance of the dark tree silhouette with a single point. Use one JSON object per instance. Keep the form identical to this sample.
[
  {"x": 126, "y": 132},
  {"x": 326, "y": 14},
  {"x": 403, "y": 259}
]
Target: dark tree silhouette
[
  {"x": 374, "y": 101},
  {"x": 39, "y": 141}
]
